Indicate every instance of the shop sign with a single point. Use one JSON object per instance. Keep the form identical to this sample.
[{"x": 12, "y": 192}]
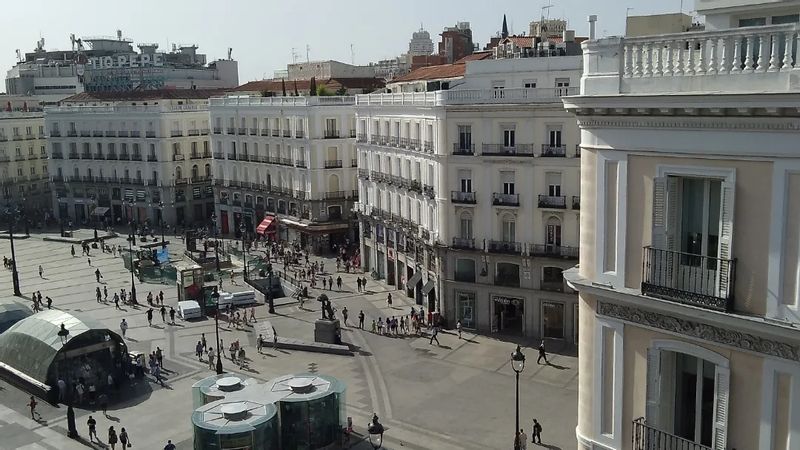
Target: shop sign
[
  {"x": 508, "y": 300},
  {"x": 129, "y": 60}
]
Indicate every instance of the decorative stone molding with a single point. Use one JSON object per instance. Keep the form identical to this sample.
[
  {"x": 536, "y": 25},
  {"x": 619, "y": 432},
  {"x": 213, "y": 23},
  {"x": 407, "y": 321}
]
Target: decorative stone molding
[
  {"x": 697, "y": 124},
  {"x": 744, "y": 341}
]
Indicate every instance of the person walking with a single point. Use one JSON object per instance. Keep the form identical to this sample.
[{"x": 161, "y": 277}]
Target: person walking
[
  {"x": 274, "y": 339},
  {"x": 339, "y": 283},
  {"x": 72, "y": 250},
  {"x": 97, "y": 294},
  {"x": 116, "y": 301},
  {"x": 112, "y": 437},
  {"x": 516, "y": 441},
  {"x": 163, "y": 312},
  {"x": 536, "y": 434},
  {"x": 105, "y": 293},
  {"x": 124, "y": 439},
  {"x": 198, "y": 350},
  {"x": 92, "y": 424},
  {"x": 203, "y": 340},
  {"x": 97, "y": 274},
  {"x": 169, "y": 446},
  {"x": 253, "y": 314},
  {"x": 32, "y": 405},
  {"x": 523, "y": 440},
  {"x": 41, "y": 271},
  {"x": 434, "y": 334},
  {"x": 361, "y": 319},
  {"x": 149, "y": 315},
  {"x": 542, "y": 355},
  {"x": 344, "y": 315},
  {"x": 172, "y": 315},
  {"x": 324, "y": 283},
  {"x": 259, "y": 343},
  {"x": 458, "y": 328},
  {"x": 211, "y": 358},
  {"x": 389, "y": 299},
  {"x": 123, "y": 327},
  {"x": 89, "y": 261}
]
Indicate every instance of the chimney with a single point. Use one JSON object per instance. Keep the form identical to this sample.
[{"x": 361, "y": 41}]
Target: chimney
[{"x": 592, "y": 26}]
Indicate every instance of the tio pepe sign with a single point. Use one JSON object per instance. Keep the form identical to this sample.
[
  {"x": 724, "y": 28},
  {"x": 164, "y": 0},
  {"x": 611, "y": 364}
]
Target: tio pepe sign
[{"x": 130, "y": 60}]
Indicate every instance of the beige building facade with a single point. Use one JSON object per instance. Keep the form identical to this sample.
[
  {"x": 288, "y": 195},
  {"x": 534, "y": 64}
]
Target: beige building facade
[{"x": 688, "y": 276}]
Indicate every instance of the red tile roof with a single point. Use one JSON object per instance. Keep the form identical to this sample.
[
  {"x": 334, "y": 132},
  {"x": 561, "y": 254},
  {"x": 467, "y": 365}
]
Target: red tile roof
[
  {"x": 159, "y": 94},
  {"x": 332, "y": 85},
  {"x": 443, "y": 71}
]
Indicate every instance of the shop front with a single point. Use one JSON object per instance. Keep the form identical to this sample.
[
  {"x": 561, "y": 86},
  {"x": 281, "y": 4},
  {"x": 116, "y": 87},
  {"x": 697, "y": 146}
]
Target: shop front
[{"x": 508, "y": 315}]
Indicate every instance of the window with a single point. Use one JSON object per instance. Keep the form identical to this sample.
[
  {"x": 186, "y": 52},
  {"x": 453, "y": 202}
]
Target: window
[
  {"x": 508, "y": 229},
  {"x": 552, "y": 279},
  {"x": 553, "y": 232},
  {"x": 507, "y": 178},
  {"x": 507, "y": 275},
  {"x": 465, "y": 302},
  {"x": 553, "y": 320},
  {"x": 753, "y": 22},
  {"x": 465, "y": 227},
  {"x": 465, "y": 179},
  {"x": 464, "y": 137},
  {"x": 465, "y": 270},
  {"x": 498, "y": 87},
  {"x": 554, "y": 137},
  {"x": 529, "y": 84},
  {"x": 509, "y": 138},
  {"x": 553, "y": 184},
  {"x": 562, "y": 86}
]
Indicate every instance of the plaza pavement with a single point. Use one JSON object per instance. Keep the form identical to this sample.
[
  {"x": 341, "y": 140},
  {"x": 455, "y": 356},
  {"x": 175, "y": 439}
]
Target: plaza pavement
[{"x": 459, "y": 395}]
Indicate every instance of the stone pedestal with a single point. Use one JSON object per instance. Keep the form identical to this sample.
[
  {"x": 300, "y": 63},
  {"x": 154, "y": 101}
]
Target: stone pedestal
[{"x": 327, "y": 331}]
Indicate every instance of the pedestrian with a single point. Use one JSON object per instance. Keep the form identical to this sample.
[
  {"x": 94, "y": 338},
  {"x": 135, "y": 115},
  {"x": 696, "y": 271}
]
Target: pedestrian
[
  {"x": 62, "y": 389},
  {"x": 361, "y": 319},
  {"x": 203, "y": 340},
  {"x": 124, "y": 439},
  {"x": 516, "y": 441},
  {"x": 72, "y": 250},
  {"x": 163, "y": 311},
  {"x": 49, "y": 302},
  {"x": 32, "y": 405},
  {"x": 523, "y": 440},
  {"x": 39, "y": 296},
  {"x": 105, "y": 293},
  {"x": 172, "y": 315},
  {"x": 157, "y": 373},
  {"x": 389, "y": 299},
  {"x": 198, "y": 350},
  {"x": 259, "y": 343},
  {"x": 41, "y": 271},
  {"x": 344, "y": 315},
  {"x": 458, "y": 328},
  {"x": 97, "y": 274},
  {"x": 252, "y": 314},
  {"x": 434, "y": 333},
  {"x": 324, "y": 283},
  {"x": 89, "y": 260},
  {"x": 169, "y": 446},
  {"x": 112, "y": 437},
  {"x": 339, "y": 283},
  {"x": 92, "y": 424},
  {"x": 123, "y": 327},
  {"x": 116, "y": 301},
  {"x": 542, "y": 355},
  {"x": 358, "y": 284},
  {"x": 211, "y": 358},
  {"x": 160, "y": 357},
  {"x": 536, "y": 433},
  {"x": 161, "y": 297},
  {"x": 274, "y": 339}
]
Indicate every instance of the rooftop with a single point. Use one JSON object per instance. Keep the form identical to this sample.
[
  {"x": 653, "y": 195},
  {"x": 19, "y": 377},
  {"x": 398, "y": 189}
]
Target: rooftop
[
  {"x": 256, "y": 100},
  {"x": 468, "y": 97},
  {"x": 332, "y": 85},
  {"x": 159, "y": 94}
]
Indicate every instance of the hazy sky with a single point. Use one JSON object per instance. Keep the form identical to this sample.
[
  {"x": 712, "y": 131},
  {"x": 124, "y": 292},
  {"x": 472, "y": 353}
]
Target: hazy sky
[{"x": 262, "y": 33}]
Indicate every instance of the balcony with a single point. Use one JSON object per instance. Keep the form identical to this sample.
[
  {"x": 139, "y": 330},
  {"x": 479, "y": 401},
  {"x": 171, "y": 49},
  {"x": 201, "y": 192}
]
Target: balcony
[
  {"x": 363, "y": 174},
  {"x": 285, "y": 162},
  {"x": 554, "y": 251},
  {"x": 200, "y": 179},
  {"x": 361, "y": 138},
  {"x": 354, "y": 162},
  {"x": 84, "y": 133},
  {"x": 218, "y": 155},
  {"x": 253, "y": 131},
  {"x": 176, "y": 133},
  {"x": 577, "y": 150},
  {"x": 499, "y": 199},
  {"x": 287, "y": 133},
  {"x": 152, "y": 182},
  {"x": 276, "y": 133},
  {"x": 98, "y": 156},
  {"x": 54, "y": 155},
  {"x": 510, "y": 248},
  {"x": 414, "y": 143},
  {"x": 73, "y": 155},
  {"x": 124, "y": 157},
  {"x": 394, "y": 141},
  {"x": 265, "y": 132},
  {"x": 352, "y": 134},
  {"x": 467, "y": 198},
  {"x": 462, "y": 148},
  {"x": 416, "y": 186},
  {"x": 333, "y": 195},
  {"x": 72, "y": 133},
  {"x": 427, "y": 146},
  {"x": 86, "y": 155},
  {"x": 576, "y": 202},
  {"x": 217, "y": 130},
  {"x": 242, "y": 131},
  {"x": 646, "y": 437},
  {"x": 179, "y": 181},
  {"x": 193, "y": 132},
  {"x": 231, "y": 157},
  {"x": 53, "y": 133},
  {"x": 122, "y": 133},
  {"x": 242, "y": 157},
  {"x": 696, "y": 280},
  {"x": 111, "y": 156},
  {"x": 428, "y": 191},
  {"x": 553, "y": 201},
  {"x": 757, "y": 59},
  {"x": 230, "y": 130},
  {"x": 333, "y": 164},
  {"x": 195, "y": 155},
  {"x": 136, "y": 157},
  {"x": 299, "y": 195},
  {"x": 178, "y": 157},
  {"x": 136, "y": 133},
  {"x": 463, "y": 243},
  {"x": 502, "y": 150},
  {"x": 354, "y": 194},
  {"x": 301, "y": 163},
  {"x": 204, "y": 131},
  {"x": 150, "y": 134},
  {"x": 553, "y": 151}
]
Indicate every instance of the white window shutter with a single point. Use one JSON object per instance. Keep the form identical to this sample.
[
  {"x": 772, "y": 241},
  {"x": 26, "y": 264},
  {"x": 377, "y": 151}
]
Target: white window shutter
[
  {"x": 659, "y": 236},
  {"x": 725, "y": 238},
  {"x": 721, "y": 393},
  {"x": 653, "y": 387},
  {"x": 673, "y": 221}
]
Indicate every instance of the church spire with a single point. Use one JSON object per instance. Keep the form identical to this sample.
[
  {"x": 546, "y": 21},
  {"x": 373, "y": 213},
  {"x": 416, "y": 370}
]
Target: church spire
[{"x": 504, "y": 33}]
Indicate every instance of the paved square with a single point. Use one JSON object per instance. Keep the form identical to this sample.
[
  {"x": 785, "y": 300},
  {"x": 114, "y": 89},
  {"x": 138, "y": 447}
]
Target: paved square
[{"x": 458, "y": 395}]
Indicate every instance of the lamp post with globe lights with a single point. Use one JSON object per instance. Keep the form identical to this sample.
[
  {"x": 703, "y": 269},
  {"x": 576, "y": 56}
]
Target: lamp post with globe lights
[
  {"x": 518, "y": 364},
  {"x": 375, "y": 431},
  {"x": 215, "y": 296}
]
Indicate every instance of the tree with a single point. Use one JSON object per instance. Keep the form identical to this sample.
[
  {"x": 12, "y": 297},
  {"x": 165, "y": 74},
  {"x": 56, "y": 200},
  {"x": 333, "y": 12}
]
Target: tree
[
  {"x": 341, "y": 91},
  {"x": 323, "y": 91},
  {"x": 312, "y": 90},
  {"x": 283, "y": 86}
]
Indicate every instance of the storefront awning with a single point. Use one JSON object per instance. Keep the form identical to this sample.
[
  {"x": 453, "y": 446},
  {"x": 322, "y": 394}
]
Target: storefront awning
[
  {"x": 99, "y": 211},
  {"x": 262, "y": 227},
  {"x": 428, "y": 287},
  {"x": 414, "y": 279}
]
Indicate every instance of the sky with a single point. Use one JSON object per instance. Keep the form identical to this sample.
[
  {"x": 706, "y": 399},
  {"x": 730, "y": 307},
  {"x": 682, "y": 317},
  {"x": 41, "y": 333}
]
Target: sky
[{"x": 262, "y": 33}]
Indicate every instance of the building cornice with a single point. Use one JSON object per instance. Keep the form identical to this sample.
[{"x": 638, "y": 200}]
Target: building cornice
[{"x": 645, "y": 121}]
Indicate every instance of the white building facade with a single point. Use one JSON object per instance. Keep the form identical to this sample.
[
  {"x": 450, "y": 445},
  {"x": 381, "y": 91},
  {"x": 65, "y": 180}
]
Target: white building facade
[
  {"x": 140, "y": 157},
  {"x": 688, "y": 276},
  {"x": 470, "y": 200},
  {"x": 290, "y": 158}
]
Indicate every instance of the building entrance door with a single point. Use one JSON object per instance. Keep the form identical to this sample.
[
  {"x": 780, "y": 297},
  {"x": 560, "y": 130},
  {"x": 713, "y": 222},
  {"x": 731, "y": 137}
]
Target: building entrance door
[{"x": 509, "y": 315}]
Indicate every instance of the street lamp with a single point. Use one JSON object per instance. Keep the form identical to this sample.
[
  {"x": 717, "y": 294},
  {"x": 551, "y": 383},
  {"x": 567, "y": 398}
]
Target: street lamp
[
  {"x": 375, "y": 430},
  {"x": 131, "y": 242},
  {"x": 161, "y": 220},
  {"x": 518, "y": 364},
  {"x": 215, "y": 296},
  {"x": 216, "y": 241},
  {"x": 94, "y": 217},
  {"x": 11, "y": 212},
  {"x": 242, "y": 230},
  {"x": 269, "y": 289}
]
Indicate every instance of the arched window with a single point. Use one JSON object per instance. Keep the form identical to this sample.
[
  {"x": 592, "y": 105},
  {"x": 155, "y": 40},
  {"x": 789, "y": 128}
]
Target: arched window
[
  {"x": 195, "y": 172},
  {"x": 178, "y": 173},
  {"x": 553, "y": 232},
  {"x": 508, "y": 228},
  {"x": 465, "y": 226},
  {"x": 208, "y": 170}
]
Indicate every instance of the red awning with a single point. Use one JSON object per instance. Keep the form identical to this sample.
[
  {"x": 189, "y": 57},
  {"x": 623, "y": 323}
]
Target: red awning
[{"x": 265, "y": 224}]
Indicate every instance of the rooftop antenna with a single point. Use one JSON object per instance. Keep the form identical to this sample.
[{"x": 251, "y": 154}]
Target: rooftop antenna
[
  {"x": 294, "y": 55},
  {"x": 19, "y": 56},
  {"x": 230, "y": 50},
  {"x": 352, "y": 55},
  {"x": 72, "y": 40},
  {"x": 308, "y": 50}
]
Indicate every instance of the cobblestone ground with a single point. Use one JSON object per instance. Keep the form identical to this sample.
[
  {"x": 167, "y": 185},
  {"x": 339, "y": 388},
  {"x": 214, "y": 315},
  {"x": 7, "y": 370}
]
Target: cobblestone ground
[{"x": 456, "y": 395}]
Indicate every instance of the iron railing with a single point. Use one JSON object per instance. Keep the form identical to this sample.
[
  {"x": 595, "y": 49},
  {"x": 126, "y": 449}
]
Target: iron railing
[
  {"x": 552, "y": 201},
  {"x": 554, "y": 251},
  {"x": 462, "y": 148},
  {"x": 462, "y": 197},
  {"x": 646, "y": 437},
  {"x": 500, "y": 199},
  {"x": 463, "y": 243},
  {"x": 558, "y": 151},
  {"x": 504, "y": 247},
  {"x": 704, "y": 281}
]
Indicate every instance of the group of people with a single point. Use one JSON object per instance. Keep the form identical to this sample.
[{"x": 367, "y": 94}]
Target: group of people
[
  {"x": 113, "y": 438},
  {"x": 521, "y": 439},
  {"x": 39, "y": 303}
]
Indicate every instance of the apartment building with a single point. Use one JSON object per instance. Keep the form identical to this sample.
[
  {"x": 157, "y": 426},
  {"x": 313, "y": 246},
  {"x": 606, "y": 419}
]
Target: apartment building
[
  {"x": 687, "y": 281},
  {"x": 286, "y": 158},
  {"x": 139, "y": 156},
  {"x": 470, "y": 197},
  {"x": 23, "y": 157}
]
